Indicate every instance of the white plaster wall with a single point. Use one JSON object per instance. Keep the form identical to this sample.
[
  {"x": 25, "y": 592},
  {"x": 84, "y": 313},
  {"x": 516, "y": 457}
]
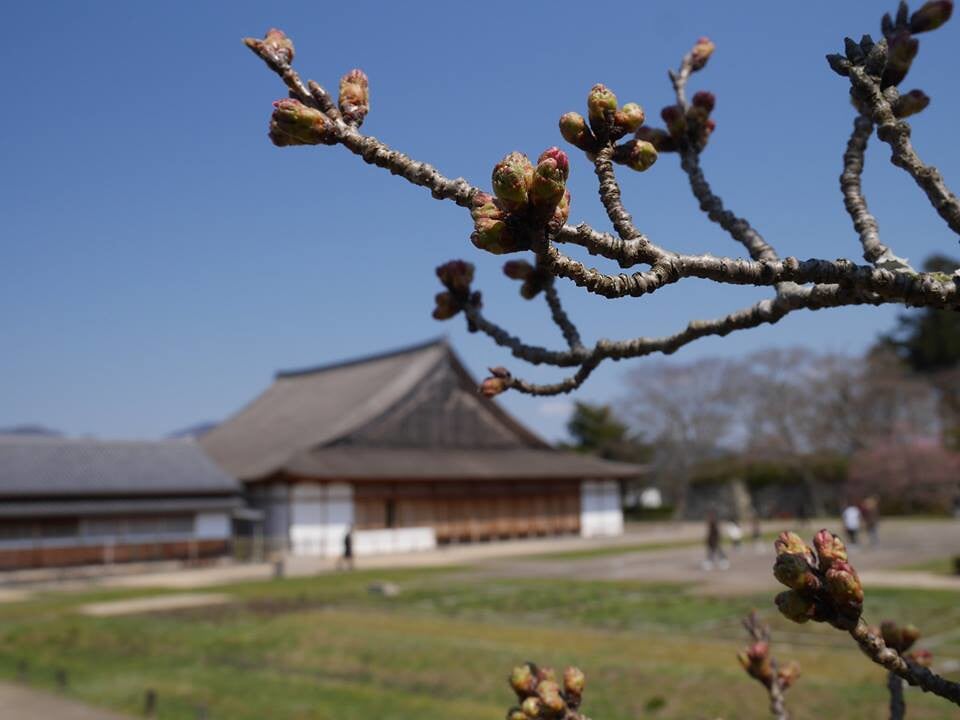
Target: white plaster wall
[
  {"x": 394, "y": 540},
  {"x": 319, "y": 517},
  {"x": 600, "y": 511},
  {"x": 212, "y": 526}
]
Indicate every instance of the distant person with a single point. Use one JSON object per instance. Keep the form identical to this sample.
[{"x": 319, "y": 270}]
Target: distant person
[
  {"x": 346, "y": 560},
  {"x": 851, "y": 522},
  {"x": 802, "y": 516},
  {"x": 735, "y": 534},
  {"x": 715, "y": 554},
  {"x": 871, "y": 518}
]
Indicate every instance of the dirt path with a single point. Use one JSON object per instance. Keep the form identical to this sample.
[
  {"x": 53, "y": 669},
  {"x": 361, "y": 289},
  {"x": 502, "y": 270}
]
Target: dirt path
[{"x": 18, "y": 702}]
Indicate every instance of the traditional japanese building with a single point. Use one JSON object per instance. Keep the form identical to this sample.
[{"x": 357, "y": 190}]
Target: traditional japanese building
[
  {"x": 403, "y": 448},
  {"x": 83, "y": 501}
]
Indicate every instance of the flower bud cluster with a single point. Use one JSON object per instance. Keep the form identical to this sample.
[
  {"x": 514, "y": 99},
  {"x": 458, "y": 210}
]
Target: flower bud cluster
[
  {"x": 608, "y": 122},
  {"x": 535, "y": 279},
  {"x": 902, "y": 638},
  {"x": 456, "y": 276},
  {"x": 542, "y": 696},
  {"x": 354, "y": 96},
  {"x": 889, "y": 60},
  {"x": 275, "y": 45},
  {"x": 824, "y": 587},
  {"x": 691, "y": 127},
  {"x": 527, "y": 201}
]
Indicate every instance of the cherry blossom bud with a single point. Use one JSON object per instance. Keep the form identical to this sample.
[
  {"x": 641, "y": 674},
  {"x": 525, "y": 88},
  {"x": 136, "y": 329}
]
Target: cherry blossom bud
[
  {"x": 549, "y": 177},
  {"x": 354, "y": 96},
  {"x": 839, "y": 64},
  {"x": 638, "y": 155},
  {"x": 493, "y": 386},
  {"x": 523, "y": 681},
  {"x": 559, "y": 157},
  {"x": 274, "y": 43},
  {"x": 293, "y": 123},
  {"x": 795, "y": 572},
  {"x": 700, "y": 53},
  {"x": 516, "y": 713},
  {"x": 456, "y": 276},
  {"x": 543, "y": 673},
  {"x": 447, "y": 305},
  {"x": 574, "y": 681},
  {"x": 552, "y": 703},
  {"x": 657, "y": 137},
  {"x": 787, "y": 675},
  {"x": 485, "y": 205},
  {"x": 501, "y": 372},
  {"x": 931, "y": 15},
  {"x": 793, "y": 544},
  {"x": 794, "y": 606},
  {"x": 909, "y": 634},
  {"x": 704, "y": 99},
  {"x": 575, "y": 131},
  {"x": 512, "y": 178},
  {"x": 892, "y": 635},
  {"x": 629, "y": 118},
  {"x": 923, "y": 658},
  {"x": 902, "y": 50},
  {"x": 531, "y": 707},
  {"x": 518, "y": 269},
  {"x": 675, "y": 119},
  {"x": 830, "y": 549},
  {"x": 493, "y": 236},
  {"x": 845, "y": 589},
  {"x": 910, "y": 103},
  {"x": 562, "y": 212},
  {"x": 601, "y": 106}
]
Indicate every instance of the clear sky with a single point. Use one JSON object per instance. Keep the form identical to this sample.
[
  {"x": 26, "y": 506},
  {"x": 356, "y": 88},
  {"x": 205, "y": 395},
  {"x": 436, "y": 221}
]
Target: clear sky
[{"x": 161, "y": 259}]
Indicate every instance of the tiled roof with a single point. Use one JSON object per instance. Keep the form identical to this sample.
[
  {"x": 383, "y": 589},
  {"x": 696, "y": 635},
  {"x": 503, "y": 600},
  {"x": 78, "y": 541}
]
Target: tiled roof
[{"x": 50, "y": 466}]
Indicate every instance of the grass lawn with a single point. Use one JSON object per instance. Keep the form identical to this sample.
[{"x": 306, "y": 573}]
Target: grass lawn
[
  {"x": 325, "y": 648},
  {"x": 939, "y": 566}
]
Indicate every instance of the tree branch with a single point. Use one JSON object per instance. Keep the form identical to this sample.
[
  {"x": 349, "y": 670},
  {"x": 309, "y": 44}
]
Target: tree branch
[
  {"x": 560, "y": 318},
  {"x": 622, "y": 222},
  {"x": 898, "y": 708}
]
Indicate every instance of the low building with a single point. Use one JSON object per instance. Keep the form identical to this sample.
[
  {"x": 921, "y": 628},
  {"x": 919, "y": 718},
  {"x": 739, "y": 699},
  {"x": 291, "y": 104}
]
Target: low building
[
  {"x": 402, "y": 448},
  {"x": 82, "y": 501}
]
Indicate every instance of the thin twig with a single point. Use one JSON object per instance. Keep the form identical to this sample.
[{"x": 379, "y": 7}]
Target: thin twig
[
  {"x": 560, "y": 318},
  {"x": 898, "y": 708}
]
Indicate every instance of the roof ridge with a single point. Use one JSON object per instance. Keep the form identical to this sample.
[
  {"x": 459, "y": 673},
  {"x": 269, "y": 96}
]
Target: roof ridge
[
  {"x": 60, "y": 440},
  {"x": 440, "y": 340}
]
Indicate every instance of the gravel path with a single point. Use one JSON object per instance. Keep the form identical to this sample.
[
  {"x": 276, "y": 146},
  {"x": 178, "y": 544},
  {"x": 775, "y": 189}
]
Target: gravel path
[{"x": 18, "y": 702}]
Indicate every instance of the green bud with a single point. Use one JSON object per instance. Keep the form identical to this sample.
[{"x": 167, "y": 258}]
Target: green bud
[
  {"x": 493, "y": 236},
  {"x": 910, "y": 103},
  {"x": 354, "y": 96},
  {"x": 629, "y": 118},
  {"x": 830, "y": 549},
  {"x": 638, "y": 155},
  {"x": 700, "y": 53},
  {"x": 575, "y": 131},
  {"x": 792, "y": 544},
  {"x": 562, "y": 212},
  {"x": 447, "y": 305},
  {"x": 523, "y": 681},
  {"x": 601, "y": 106},
  {"x": 931, "y": 15},
  {"x": 548, "y": 184},
  {"x": 485, "y": 206},
  {"x": 794, "y": 606},
  {"x": 512, "y": 178},
  {"x": 552, "y": 702},
  {"x": 293, "y": 123},
  {"x": 531, "y": 707},
  {"x": 559, "y": 157},
  {"x": 795, "y": 572},
  {"x": 845, "y": 589}
]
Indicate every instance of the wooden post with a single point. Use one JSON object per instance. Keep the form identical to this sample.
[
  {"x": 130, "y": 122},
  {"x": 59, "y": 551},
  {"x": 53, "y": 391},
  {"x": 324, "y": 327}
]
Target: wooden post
[
  {"x": 63, "y": 682},
  {"x": 23, "y": 667}
]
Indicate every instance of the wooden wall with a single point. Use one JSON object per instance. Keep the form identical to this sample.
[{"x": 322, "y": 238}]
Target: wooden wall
[
  {"x": 470, "y": 511},
  {"x": 98, "y": 554}
]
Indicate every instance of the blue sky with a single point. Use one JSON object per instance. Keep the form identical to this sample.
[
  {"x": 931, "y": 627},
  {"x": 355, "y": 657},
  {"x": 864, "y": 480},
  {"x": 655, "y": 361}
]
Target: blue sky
[{"x": 161, "y": 259}]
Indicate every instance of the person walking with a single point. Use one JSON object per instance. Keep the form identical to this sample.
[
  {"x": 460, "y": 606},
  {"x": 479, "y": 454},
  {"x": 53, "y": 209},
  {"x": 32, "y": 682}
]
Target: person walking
[
  {"x": 851, "y": 522},
  {"x": 734, "y": 534},
  {"x": 715, "y": 555},
  {"x": 346, "y": 560},
  {"x": 871, "y": 519}
]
